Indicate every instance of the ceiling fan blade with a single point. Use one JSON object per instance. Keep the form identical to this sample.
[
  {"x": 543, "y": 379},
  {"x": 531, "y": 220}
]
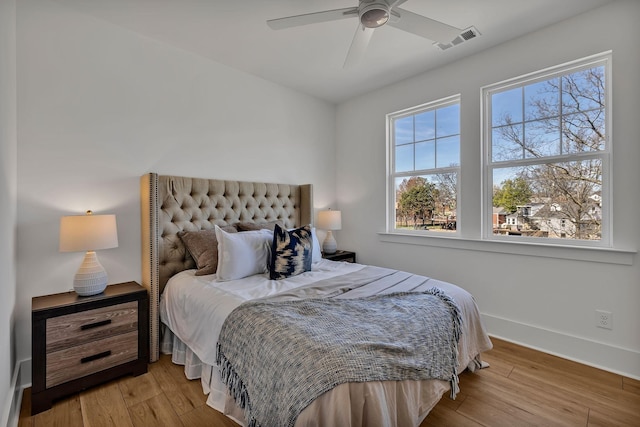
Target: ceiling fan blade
[
  {"x": 358, "y": 45},
  {"x": 312, "y": 18},
  {"x": 396, "y": 3},
  {"x": 424, "y": 27}
]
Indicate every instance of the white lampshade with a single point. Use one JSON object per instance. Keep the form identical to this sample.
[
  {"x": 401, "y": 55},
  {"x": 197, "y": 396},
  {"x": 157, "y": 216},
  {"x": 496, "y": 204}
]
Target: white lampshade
[
  {"x": 329, "y": 220},
  {"x": 88, "y": 233}
]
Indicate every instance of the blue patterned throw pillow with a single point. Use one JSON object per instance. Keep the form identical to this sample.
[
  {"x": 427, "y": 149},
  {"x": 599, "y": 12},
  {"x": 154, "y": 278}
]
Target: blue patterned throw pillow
[{"x": 290, "y": 252}]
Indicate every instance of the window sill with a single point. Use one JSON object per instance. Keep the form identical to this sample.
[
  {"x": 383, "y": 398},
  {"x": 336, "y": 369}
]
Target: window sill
[{"x": 577, "y": 253}]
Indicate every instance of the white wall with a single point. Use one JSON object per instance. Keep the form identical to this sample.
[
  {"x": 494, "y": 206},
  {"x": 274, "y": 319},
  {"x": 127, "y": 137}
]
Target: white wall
[
  {"x": 99, "y": 106},
  {"x": 536, "y": 300},
  {"x": 8, "y": 186}
]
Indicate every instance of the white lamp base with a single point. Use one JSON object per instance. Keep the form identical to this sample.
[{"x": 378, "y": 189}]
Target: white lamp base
[
  {"x": 91, "y": 277},
  {"x": 329, "y": 246}
]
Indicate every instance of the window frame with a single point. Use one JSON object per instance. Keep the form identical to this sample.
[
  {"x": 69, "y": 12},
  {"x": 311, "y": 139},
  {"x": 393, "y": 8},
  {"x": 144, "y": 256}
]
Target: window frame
[
  {"x": 488, "y": 165},
  {"x": 392, "y": 175}
]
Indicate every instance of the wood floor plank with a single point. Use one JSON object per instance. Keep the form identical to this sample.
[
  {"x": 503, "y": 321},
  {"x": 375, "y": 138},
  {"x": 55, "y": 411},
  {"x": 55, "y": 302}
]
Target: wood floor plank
[
  {"x": 547, "y": 410},
  {"x": 583, "y": 385},
  {"x": 443, "y": 416},
  {"x": 25, "y": 419},
  {"x": 496, "y": 413},
  {"x": 184, "y": 395},
  {"x": 205, "y": 416},
  {"x": 604, "y": 398},
  {"x": 599, "y": 418},
  {"x": 447, "y": 402},
  {"x": 174, "y": 371},
  {"x": 154, "y": 412},
  {"x": 138, "y": 389},
  {"x": 103, "y": 406},
  {"x": 66, "y": 413},
  {"x": 497, "y": 365},
  {"x": 631, "y": 385},
  {"x": 529, "y": 357}
]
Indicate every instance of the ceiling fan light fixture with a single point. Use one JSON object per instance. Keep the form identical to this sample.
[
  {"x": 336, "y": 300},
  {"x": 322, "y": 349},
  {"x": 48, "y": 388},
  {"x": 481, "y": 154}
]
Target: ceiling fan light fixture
[{"x": 374, "y": 15}]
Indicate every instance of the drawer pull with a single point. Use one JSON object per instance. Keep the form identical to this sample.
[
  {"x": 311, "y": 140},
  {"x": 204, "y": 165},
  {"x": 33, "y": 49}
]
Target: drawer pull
[
  {"x": 95, "y": 325},
  {"x": 95, "y": 357}
]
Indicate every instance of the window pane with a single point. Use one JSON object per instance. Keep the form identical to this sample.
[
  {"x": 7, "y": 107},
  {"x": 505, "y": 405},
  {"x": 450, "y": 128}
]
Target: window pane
[
  {"x": 448, "y": 153},
  {"x": 448, "y": 121},
  {"x": 404, "y": 158},
  {"x": 547, "y": 169},
  {"x": 583, "y": 90},
  {"x": 426, "y": 202},
  {"x": 500, "y": 175},
  {"x": 425, "y": 125},
  {"x": 542, "y": 99},
  {"x": 542, "y": 138},
  {"x": 403, "y": 130},
  {"x": 506, "y": 107},
  {"x": 583, "y": 132},
  {"x": 425, "y": 140},
  {"x": 554, "y": 200},
  {"x": 425, "y": 155},
  {"x": 506, "y": 143}
]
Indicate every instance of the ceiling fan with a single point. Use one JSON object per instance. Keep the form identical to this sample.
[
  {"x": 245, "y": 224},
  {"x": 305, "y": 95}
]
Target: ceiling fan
[{"x": 373, "y": 14}]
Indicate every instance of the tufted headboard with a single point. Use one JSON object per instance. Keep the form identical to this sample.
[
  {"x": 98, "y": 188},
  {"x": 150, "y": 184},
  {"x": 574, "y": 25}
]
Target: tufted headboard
[{"x": 170, "y": 204}]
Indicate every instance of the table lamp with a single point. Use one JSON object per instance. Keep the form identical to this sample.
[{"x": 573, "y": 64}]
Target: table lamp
[
  {"x": 329, "y": 220},
  {"x": 88, "y": 233}
]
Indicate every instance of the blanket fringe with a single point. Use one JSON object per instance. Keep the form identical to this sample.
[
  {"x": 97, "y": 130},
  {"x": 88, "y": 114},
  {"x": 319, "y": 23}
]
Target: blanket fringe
[
  {"x": 235, "y": 385},
  {"x": 456, "y": 318},
  {"x": 455, "y": 388}
]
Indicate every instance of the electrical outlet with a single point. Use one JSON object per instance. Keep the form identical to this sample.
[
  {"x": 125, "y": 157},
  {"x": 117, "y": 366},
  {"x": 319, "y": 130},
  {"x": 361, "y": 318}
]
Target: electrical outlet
[{"x": 604, "y": 319}]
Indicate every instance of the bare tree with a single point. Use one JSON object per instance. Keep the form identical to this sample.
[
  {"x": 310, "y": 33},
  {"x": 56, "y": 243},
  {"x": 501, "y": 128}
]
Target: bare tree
[{"x": 565, "y": 116}]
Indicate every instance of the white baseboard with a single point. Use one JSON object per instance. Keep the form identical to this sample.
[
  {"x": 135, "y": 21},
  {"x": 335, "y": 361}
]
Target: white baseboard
[
  {"x": 25, "y": 373},
  {"x": 21, "y": 379},
  {"x": 610, "y": 358}
]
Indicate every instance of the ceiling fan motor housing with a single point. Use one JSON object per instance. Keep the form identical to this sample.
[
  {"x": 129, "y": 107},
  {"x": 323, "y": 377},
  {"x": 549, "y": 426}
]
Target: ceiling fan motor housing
[{"x": 374, "y": 15}]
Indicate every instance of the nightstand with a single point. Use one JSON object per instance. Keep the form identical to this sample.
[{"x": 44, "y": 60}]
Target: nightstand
[
  {"x": 345, "y": 256},
  {"x": 79, "y": 342}
]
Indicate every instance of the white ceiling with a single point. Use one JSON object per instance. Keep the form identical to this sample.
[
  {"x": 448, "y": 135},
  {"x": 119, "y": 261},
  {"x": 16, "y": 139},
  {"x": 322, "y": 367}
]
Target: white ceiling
[{"x": 310, "y": 58}]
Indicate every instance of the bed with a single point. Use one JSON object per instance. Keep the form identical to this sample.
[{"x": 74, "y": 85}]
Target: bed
[{"x": 189, "y": 304}]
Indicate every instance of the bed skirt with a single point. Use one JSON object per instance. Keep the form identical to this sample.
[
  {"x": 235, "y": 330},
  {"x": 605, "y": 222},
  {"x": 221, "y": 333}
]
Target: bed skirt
[{"x": 344, "y": 405}]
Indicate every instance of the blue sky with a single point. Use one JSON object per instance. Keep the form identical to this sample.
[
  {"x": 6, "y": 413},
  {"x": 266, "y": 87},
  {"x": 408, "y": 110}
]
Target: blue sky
[{"x": 428, "y": 140}]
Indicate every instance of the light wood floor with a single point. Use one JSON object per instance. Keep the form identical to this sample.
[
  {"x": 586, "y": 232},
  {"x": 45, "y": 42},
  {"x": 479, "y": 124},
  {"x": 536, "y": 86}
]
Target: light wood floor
[{"x": 522, "y": 387}]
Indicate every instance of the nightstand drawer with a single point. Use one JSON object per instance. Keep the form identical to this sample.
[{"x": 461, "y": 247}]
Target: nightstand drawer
[
  {"x": 86, "y": 359},
  {"x": 86, "y": 326}
]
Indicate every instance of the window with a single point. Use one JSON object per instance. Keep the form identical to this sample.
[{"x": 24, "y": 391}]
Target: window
[
  {"x": 424, "y": 164},
  {"x": 547, "y": 149}
]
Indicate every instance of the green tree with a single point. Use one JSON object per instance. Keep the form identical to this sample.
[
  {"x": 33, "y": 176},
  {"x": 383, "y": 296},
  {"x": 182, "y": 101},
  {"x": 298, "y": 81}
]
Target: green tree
[
  {"x": 418, "y": 201},
  {"x": 512, "y": 193},
  {"x": 402, "y": 214}
]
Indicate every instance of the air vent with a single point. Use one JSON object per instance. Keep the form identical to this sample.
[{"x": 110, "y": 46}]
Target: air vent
[{"x": 465, "y": 35}]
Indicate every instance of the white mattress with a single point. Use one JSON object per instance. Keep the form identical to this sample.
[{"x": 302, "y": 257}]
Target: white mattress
[{"x": 195, "y": 307}]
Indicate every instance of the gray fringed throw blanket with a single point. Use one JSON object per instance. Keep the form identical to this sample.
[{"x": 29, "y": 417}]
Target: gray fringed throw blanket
[{"x": 276, "y": 357}]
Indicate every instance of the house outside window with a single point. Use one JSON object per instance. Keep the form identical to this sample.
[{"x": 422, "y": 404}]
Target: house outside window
[
  {"x": 424, "y": 164},
  {"x": 546, "y": 150}
]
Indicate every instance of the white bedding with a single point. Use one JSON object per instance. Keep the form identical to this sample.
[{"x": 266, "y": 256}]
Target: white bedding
[{"x": 195, "y": 307}]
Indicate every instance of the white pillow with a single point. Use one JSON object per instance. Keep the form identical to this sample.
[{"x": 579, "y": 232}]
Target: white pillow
[
  {"x": 316, "y": 253},
  {"x": 242, "y": 254}
]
